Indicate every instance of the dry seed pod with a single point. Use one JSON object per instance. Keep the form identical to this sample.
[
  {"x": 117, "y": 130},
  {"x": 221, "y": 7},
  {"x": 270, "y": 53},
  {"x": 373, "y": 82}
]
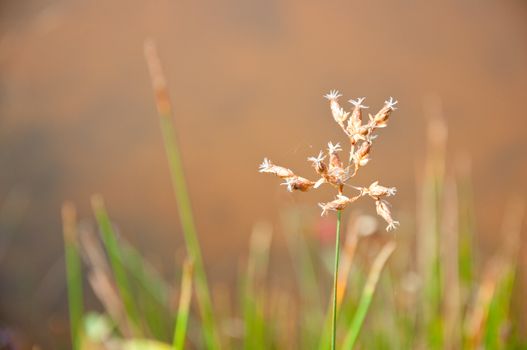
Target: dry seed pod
[
  {"x": 298, "y": 183},
  {"x": 337, "y": 204},
  {"x": 337, "y": 111},
  {"x": 355, "y": 121},
  {"x": 382, "y": 116},
  {"x": 375, "y": 190},
  {"x": 362, "y": 156},
  {"x": 268, "y": 167},
  {"x": 383, "y": 210},
  {"x": 318, "y": 163},
  {"x": 334, "y": 160}
]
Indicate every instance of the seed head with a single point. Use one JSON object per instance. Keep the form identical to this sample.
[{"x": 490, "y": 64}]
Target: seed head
[
  {"x": 383, "y": 210},
  {"x": 337, "y": 174}
]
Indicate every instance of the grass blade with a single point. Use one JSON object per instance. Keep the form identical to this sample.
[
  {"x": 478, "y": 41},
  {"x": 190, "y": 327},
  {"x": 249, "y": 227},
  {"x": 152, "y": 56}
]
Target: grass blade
[
  {"x": 367, "y": 295},
  {"x": 151, "y": 291},
  {"x": 164, "y": 109},
  {"x": 256, "y": 327},
  {"x": 115, "y": 256},
  {"x": 180, "y": 330},
  {"x": 73, "y": 272}
]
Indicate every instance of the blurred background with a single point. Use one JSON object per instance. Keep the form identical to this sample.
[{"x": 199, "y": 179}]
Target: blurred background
[{"x": 77, "y": 117}]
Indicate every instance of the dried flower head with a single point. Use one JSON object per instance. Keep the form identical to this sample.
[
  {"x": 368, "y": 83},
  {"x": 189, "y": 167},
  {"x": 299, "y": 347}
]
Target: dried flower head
[{"x": 336, "y": 173}]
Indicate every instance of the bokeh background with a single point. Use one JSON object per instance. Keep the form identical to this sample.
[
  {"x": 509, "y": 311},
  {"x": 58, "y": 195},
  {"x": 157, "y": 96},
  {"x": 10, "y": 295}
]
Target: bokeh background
[{"x": 77, "y": 117}]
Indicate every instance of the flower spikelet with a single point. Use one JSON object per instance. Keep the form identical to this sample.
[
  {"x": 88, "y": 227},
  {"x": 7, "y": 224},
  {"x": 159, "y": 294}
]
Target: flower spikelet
[
  {"x": 298, "y": 183},
  {"x": 382, "y": 116},
  {"x": 337, "y": 111},
  {"x": 338, "y": 203},
  {"x": 318, "y": 163},
  {"x": 268, "y": 167},
  {"x": 383, "y": 210}
]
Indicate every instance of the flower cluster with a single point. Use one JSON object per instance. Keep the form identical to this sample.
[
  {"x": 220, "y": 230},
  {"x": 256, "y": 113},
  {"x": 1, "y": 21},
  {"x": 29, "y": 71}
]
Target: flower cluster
[{"x": 335, "y": 172}]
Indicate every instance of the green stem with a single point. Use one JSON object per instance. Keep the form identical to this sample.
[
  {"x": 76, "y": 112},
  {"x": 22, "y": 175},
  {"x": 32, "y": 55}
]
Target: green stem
[
  {"x": 179, "y": 186},
  {"x": 335, "y": 280}
]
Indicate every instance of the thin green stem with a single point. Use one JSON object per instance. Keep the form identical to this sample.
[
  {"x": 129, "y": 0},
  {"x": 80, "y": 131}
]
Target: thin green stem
[
  {"x": 179, "y": 186},
  {"x": 335, "y": 281}
]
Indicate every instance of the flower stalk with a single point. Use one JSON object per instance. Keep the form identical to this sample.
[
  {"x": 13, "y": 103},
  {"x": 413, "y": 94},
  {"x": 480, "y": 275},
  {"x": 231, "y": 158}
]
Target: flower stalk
[
  {"x": 335, "y": 282},
  {"x": 337, "y": 173}
]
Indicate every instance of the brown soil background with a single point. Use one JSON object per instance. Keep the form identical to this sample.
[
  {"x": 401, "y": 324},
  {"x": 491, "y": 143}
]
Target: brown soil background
[{"x": 247, "y": 77}]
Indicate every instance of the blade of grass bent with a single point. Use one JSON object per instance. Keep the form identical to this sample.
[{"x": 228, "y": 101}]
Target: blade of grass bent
[
  {"x": 180, "y": 190},
  {"x": 367, "y": 295},
  {"x": 111, "y": 244},
  {"x": 73, "y": 272},
  {"x": 180, "y": 330}
]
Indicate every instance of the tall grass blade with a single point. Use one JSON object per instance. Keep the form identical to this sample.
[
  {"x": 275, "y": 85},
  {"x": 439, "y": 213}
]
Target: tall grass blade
[
  {"x": 73, "y": 273},
  {"x": 367, "y": 295},
  {"x": 115, "y": 256},
  {"x": 164, "y": 109},
  {"x": 253, "y": 297},
  {"x": 180, "y": 330},
  {"x": 430, "y": 332}
]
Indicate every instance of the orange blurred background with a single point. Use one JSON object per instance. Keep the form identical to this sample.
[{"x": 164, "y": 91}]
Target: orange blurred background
[{"x": 77, "y": 117}]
